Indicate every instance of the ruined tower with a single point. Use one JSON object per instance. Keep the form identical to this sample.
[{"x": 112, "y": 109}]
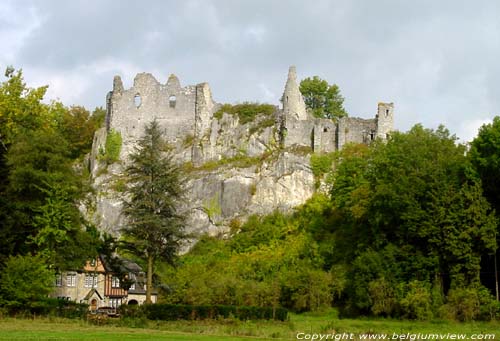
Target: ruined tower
[
  {"x": 293, "y": 103},
  {"x": 385, "y": 119}
]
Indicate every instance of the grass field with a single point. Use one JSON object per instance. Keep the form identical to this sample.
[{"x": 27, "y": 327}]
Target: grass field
[{"x": 63, "y": 329}]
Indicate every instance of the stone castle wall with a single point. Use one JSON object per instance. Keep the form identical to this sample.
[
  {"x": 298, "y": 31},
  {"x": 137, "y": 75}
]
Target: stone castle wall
[{"x": 278, "y": 175}]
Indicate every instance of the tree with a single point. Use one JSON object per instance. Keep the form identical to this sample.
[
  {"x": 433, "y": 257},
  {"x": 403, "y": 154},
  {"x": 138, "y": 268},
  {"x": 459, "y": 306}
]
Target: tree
[
  {"x": 323, "y": 99},
  {"x": 417, "y": 194},
  {"x": 25, "y": 279},
  {"x": 485, "y": 156},
  {"x": 78, "y": 126},
  {"x": 155, "y": 228}
]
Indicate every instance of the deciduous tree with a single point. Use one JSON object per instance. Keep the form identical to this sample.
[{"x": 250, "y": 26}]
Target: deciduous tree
[{"x": 324, "y": 100}]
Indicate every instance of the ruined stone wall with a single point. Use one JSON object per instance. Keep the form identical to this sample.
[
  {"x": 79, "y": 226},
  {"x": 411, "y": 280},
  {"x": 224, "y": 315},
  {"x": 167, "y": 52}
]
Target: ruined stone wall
[
  {"x": 275, "y": 174},
  {"x": 174, "y": 107},
  {"x": 385, "y": 119},
  {"x": 356, "y": 130}
]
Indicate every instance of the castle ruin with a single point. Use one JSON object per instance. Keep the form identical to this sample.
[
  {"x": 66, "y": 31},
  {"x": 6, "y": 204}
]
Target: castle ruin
[{"x": 231, "y": 191}]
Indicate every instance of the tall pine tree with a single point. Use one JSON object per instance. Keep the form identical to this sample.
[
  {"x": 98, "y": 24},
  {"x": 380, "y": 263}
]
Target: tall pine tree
[{"x": 155, "y": 227}]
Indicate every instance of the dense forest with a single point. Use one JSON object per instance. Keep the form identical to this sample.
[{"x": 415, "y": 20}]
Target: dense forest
[{"x": 405, "y": 228}]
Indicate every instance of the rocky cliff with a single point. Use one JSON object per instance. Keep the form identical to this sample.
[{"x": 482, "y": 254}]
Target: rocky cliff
[{"x": 236, "y": 167}]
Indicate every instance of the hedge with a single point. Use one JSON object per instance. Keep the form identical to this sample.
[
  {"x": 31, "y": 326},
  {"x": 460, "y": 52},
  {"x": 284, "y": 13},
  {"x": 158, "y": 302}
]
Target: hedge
[
  {"x": 200, "y": 312},
  {"x": 50, "y": 307}
]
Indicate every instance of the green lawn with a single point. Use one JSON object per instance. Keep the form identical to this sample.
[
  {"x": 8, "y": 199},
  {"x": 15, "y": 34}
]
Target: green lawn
[{"x": 62, "y": 329}]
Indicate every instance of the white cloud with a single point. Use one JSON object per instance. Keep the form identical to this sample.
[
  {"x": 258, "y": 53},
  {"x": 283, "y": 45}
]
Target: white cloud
[{"x": 468, "y": 129}]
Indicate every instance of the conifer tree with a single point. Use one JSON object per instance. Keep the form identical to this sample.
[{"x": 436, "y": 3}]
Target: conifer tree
[{"x": 155, "y": 226}]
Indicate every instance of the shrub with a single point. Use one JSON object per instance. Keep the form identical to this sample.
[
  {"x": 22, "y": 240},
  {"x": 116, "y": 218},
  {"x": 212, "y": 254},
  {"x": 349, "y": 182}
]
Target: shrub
[
  {"x": 51, "y": 307},
  {"x": 201, "y": 312},
  {"x": 417, "y": 302},
  {"x": 113, "y": 146},
  {"x": 462, "y": 304},
  {"x": 321, "y": 163},
  {"x": 246, "y": 112}
]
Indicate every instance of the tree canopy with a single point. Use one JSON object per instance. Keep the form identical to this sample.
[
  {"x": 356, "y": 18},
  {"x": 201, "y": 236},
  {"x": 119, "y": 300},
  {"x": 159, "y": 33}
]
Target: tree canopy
[{"x": 323, "y": 99}]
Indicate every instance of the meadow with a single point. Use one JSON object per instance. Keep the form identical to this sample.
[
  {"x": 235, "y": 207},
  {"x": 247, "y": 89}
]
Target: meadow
[{"x": 46, "y": 328}]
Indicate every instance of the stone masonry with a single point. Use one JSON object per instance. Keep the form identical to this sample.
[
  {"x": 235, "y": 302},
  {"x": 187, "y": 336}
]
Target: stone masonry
[{"x": 226, "y": 192}]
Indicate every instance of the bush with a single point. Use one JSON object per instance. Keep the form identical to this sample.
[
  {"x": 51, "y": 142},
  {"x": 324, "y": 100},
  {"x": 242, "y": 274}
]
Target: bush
[
  {"x": 246, "y": 112},
  {"x": 463, "y": 304},
  {"x": 51, "y": 307},
  {"x": 113, "y": 147},
  {"x": 321, "y": 163},
  {"x": 417, "y": 302},
  {"x": 192, "y": 312}
]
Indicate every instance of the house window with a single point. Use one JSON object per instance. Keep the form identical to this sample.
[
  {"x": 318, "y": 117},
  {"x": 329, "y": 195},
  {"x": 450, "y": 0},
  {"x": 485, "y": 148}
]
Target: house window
[
  {"x": 58, "y": 280},
  {"x": 90, "y": 280},
  {"x": 115, "y": 282},
  {"x": 92, "y": 262},
  {"x": 71, "y": 280},
  {"x": 172, "y": 100},
  {"x": 132, "y": 286},
  {"x": 115, "y": 302}
]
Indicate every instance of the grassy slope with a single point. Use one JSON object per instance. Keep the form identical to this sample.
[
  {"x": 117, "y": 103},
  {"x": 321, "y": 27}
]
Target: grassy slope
[{"x": 59, "y": 329}]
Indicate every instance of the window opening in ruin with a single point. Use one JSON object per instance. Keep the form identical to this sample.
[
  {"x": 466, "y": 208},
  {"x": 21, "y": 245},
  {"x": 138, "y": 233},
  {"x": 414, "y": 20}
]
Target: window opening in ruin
[
  {"x": 172, "y": 100},
  {"x": 137, "y": 100},
  {"x": 325, "y": 130},
  {"x": 372, "y": 136},
  {"x": 386, "y": 112}
]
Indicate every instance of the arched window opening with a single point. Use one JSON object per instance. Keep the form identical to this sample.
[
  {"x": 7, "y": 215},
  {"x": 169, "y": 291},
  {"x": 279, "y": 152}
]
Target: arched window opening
[
  {"x": 137, "y": 100},
  {"x": 172, "y": 100}
]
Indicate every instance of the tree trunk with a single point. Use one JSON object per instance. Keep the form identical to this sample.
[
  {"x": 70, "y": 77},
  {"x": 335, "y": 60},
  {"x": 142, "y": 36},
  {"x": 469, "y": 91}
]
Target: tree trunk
[
  {"x": 149, "y": 280},
  {"x": 496, "y": 277}
]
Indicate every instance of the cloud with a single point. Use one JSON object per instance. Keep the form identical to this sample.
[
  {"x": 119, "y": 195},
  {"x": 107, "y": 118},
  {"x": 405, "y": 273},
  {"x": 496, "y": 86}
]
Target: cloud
[{"x": 436, "y": 60}]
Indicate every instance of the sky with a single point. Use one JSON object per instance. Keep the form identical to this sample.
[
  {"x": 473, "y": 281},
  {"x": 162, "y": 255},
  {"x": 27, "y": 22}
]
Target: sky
[{"x": 437, "y": 61}]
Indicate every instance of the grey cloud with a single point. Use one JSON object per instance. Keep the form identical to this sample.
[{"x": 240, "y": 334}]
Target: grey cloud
[{"x": 437, "y": 60}]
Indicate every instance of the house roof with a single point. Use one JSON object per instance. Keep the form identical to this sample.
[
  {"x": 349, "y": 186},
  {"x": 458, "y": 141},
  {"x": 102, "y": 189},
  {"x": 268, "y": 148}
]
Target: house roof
[
  {"x": 118, "y": 264},
  {"x": 92, "y": 292}
]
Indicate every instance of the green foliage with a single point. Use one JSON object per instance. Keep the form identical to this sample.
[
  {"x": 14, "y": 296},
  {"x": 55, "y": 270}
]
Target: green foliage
[
  {"x": 25, "y": 280},
  {"x": 321, "y": 163},
  {"x": 268, "y": 262},
  {"x": 247, "y": 112},
  {"x": 78, "y": 126},
  {"x": 113, "y": 147},
  {"x": 417, "y": 301},
  {"x": 485, "y": 156},
  {"x": 21, "y": 108},
  {"x": 56, "y": 221},
  {"x": 155, "y": 227},
  {"x": 469, "y": 303},
  {"x": 51, "y": 307},
  {"x": 201, "y": 312},
  {"x": 324, "y": 100},
  {"x": 238, "y": 161}
]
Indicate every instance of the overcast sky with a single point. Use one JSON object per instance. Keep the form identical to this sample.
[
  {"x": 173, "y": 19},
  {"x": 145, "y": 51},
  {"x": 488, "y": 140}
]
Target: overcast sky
[{"x": 438, "y": 61}]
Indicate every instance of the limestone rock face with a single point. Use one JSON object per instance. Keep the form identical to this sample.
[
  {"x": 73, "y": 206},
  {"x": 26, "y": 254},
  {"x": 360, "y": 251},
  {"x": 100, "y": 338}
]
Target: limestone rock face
[{"x": 234, "y": 170}]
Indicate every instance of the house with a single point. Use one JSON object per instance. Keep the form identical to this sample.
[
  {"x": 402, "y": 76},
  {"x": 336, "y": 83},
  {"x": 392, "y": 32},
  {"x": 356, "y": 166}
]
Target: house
[{"x": 98, "y": 284}]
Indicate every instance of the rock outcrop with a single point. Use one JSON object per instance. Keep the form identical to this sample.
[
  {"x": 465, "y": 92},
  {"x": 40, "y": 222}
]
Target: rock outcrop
[{"x": 235, "y": 169}]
